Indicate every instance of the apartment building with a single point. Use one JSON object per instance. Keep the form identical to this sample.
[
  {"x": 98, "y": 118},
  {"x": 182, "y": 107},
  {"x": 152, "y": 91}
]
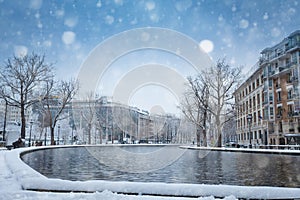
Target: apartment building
[
  {"x": 268, "y": 102},
  {"x": 249, "y": 98},
  {"x": 122, "y": 123},
  {"x": 13, "y": 114}
]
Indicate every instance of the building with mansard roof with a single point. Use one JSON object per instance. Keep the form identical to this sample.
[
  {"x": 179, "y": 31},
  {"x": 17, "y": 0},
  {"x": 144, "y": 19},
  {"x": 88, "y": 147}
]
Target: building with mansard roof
[{"x": 268, "y": 101}]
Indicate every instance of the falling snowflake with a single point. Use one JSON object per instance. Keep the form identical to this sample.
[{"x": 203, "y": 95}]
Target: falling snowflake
[
  {"x": 68, "y": 37},
  {"x": 243, "y": 24},
  {"x": 109, "y": 19},
  {"x": 266, "y": 16}
]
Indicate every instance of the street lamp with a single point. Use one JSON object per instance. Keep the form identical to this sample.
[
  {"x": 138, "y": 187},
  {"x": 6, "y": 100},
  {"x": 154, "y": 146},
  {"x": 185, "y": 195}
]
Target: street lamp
[
  {"x": 31, "y": 122},
  {"x": 58, "y": 129},
  {"x": 249, "y": 118}
]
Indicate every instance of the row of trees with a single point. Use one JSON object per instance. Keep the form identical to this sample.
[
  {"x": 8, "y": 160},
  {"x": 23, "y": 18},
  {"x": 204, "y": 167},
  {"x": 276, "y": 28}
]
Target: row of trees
[
  {"x": 29, "y": 81},
  {"x": 209, "y": 101}
]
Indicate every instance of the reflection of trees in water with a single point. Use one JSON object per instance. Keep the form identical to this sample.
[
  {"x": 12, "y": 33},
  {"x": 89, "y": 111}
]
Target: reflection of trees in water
[
  {"x": 267, "y": 169},
  {"x": 201, "y": 167}
]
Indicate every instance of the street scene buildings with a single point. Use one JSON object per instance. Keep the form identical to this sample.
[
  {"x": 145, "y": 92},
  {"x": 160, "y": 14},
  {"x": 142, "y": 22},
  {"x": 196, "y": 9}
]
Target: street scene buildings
[
  {"x": 268, "y": 102},
  {"x": 96, "y": 121}
]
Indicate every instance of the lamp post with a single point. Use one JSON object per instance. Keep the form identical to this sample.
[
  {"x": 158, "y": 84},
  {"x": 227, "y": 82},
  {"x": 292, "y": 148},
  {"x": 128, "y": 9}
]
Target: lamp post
[
  {"x": 72, "y": 134},
  {"x": 31, "y": 122},
  {"x": 249, "y": 118},
  {"x": 5, "y": 116},
  {"x": 58, "y": 129}
]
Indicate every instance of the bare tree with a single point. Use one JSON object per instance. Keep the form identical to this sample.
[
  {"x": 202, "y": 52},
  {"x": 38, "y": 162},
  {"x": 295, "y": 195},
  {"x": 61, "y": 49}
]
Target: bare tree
[
  {"x": 210, "y": 95},
  {"x": 195, "y": 106},
  {"x": 20, "y": 79},
  {"x": 59, "y": 95},
  {"x": 88, "y": 113},
  {"x": 221, "y": 80}
]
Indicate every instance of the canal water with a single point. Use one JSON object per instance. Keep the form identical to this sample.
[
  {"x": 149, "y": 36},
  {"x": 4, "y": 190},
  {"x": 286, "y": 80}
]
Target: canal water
[{"x": 167, "y": 164}]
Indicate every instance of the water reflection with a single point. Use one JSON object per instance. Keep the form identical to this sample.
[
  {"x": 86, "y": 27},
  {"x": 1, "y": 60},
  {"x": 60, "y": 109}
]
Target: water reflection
[{"x": 201, "y": 167}]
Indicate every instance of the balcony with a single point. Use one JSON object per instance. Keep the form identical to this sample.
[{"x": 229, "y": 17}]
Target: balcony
[
  {"x": 295, "y": 113},
  {"x": 278, "y": 116},
  {"x": 263, "y": 60},
  {"x": 295, "y": 96},
  {"x": 292, "y": 47}
]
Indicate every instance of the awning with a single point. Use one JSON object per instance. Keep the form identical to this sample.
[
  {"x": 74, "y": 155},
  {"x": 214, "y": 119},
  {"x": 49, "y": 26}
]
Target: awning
[{"x": 292, "y": 135}]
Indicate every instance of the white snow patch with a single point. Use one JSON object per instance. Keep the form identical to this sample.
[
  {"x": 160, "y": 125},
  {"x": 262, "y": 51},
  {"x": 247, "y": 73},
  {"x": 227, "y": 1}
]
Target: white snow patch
[
  {"x": 243, "y": 23},
  {"x": 16, "y": 174},
  {"x": 20, "y": 50},
  {"x": 207, "y": 45},
  {"x": 68, "y": 37}
]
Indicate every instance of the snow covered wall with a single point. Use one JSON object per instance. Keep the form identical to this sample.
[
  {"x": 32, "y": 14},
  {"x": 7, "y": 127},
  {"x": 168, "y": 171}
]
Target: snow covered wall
[{"x": 32, "y": 180}]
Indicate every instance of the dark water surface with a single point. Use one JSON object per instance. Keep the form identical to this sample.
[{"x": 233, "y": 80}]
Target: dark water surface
[{"x": 194, "y": 166}]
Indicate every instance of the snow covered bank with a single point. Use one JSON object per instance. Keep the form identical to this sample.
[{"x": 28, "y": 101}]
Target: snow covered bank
[
  {"x": 29, "y": 179},
  {"x": 246, "y": 150}
]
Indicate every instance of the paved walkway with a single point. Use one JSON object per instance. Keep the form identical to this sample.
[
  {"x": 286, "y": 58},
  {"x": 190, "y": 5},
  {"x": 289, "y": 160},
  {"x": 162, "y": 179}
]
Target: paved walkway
[{"x": 8, "y": 180}]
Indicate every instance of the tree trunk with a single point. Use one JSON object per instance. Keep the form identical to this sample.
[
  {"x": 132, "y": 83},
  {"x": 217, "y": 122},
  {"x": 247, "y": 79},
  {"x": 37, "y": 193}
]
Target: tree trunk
[
  {"x": 204, "y": 128},
  {"x": 52, "y": 135},
  {"x": 219, "y": 132},
  {"x": 100, "y": 131},
  {"x": 23, "y": 121},
  {"x": 89, "y": 133},
  {"x": 198, "y": 133}
]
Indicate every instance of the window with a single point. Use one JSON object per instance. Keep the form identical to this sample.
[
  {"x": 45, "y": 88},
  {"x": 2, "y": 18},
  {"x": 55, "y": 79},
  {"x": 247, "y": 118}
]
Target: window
[
  {"x": 271, "y": 111},
  {"x": 289, "y": 78},
  {"x": 279, "y": 111},
  {"x": 266, "y": 113},
  {"x": 290, "y": 94},
  {"x": 279, "y": 96},
  {"x": 271, "y": 97},
  {"x": 250, "y": 103},
  {"x": 270, "y": 82},
  {"x": 290, "y": 110},
  {"x": 294, "y": 57}
]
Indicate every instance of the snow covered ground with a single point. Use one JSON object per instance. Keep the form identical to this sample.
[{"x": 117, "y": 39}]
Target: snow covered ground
[{"x": 18, "y": 180}]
